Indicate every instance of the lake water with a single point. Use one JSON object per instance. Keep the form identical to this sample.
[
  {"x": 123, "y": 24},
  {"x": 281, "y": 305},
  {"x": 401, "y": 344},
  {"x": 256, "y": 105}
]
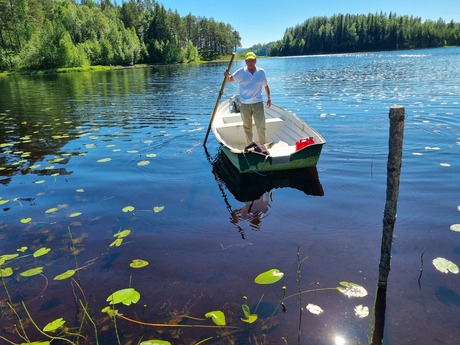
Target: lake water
[{"x": 77, "y": 149}]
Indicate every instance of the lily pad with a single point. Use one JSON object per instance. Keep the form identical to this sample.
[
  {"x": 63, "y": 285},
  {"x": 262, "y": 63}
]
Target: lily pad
[
  {"x": 155, "y": 342},
  {"x": 75, "y": 214},
  {"x": 269, "y": 277},
  {"x": 41, "y": 252},
  {"x": 455, "y": 227},
  {"x": 125, "y": 296},
  {"x": 157, "y": 209},
  {"x": 110, "y": 311},
  {"x": 32, "y": 272},
  {"x": 361, "y": 311},
  {"x": 117, "y": 242},
  {"x": 51, "y": 210},
  {"x": 6, "y": 257},
  {"x": 352, "y": 289},
  {"x": 143, "y": 163},
  {"x": 248, "y": 317},
  {"x": 217, "y": 316},
  {"x": 445, "y": 266},
  {"x": 104, "y": 160},
  {"x": 314, "y": 309},
  {"x": 128, "y": 209},
  {"x": 54, "y": 325},
  {"x": 138, "y": 263},
  {"x": 122, "y": 234},
  {"x": 65, "y": 275},
  {"x": 6, "y": 272},
  {"x": 26, "y": 220}
]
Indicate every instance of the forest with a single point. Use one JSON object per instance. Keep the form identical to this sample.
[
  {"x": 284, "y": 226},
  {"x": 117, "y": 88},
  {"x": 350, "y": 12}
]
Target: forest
[
  {"x": 362, "y": 33},
  {"x": 49, "y": 34}
]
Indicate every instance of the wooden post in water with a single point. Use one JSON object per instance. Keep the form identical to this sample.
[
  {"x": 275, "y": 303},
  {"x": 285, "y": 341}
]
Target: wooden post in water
[{"x": 395, "y": 144}]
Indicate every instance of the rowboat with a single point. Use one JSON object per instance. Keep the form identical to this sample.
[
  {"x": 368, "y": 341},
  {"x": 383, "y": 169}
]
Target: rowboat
[
  {"x": 249, "y": 187},
  {"x": 291, "y": 143}
]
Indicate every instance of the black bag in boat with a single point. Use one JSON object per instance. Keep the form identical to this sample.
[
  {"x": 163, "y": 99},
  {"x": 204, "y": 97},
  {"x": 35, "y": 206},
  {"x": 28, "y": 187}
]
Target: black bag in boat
[{"x": 256, "y": 147}]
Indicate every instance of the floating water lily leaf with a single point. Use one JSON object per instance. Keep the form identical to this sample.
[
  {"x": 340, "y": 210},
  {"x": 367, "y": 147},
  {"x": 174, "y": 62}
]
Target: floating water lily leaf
[
  {"x": 104, "y": 160},
  {"x": 117, "y": 242},
  {"x": 39, "y": 181},
  {"x": 143, "y": 163},
  {"x": 455, "y": 227},
  {"x": 132, "y": 151},
  {"x": 249, "y": 318},
  {"x": 37, "y": 343},
  {"x": 352, "y": 289},
  {"x": 157, "y": 209},
  {"x": 75, "y": 214},
  {"x": 22, "y": 249},
  {"x": 361, "y": 311},
  {"x": 445, "y": 266},
  {"x": 138, "y": 263},
  {"x": 6, "y": 257},
  {"x": 26, "y": 220},
  {"x": 314, "y": 309},
  {"x": 155, "y": 342},
  {"x": 80, "y": 190},
  {"x": 269, "y": 277},
  {"x": 6, "y": 272},
  {"x": 65, "y": 275},
  {"x": 125, "y": 296},
  {"x": 151, "y": 155},
  {"x": 32, "y": 272},
  {"x": 54, "y": 325},
  {"x": 122, "y": 234},
  {"x": 51, "y": 210},
  {"x": 41, "y": 252},
  {"x": 217, "y": 316},
  {"x": 128, "y": 209},
  {"x": 3, "y": 202},
  {"x": 110, "y": 311}
]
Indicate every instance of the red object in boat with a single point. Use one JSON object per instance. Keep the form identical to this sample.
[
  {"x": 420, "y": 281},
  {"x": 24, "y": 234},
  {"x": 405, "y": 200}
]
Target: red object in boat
[{"x": 304, "y": 142}]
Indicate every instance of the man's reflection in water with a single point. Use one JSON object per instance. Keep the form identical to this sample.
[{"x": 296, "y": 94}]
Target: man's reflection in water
[{"x": 253, "y": 211}]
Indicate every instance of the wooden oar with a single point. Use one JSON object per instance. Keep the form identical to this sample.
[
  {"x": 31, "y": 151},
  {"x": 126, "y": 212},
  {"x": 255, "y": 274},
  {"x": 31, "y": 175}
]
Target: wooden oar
[{"x": 218, "y": 100}]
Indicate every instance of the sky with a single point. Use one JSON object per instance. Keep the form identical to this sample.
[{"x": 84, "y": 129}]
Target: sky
[{"x": 264, "y": 21}]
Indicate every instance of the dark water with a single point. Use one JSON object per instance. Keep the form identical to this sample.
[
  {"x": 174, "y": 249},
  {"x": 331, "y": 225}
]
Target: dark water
[{"x": 76, "y": 149}]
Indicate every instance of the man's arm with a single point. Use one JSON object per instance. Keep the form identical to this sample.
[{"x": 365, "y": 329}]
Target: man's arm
[{"x": 269, "y": 99}]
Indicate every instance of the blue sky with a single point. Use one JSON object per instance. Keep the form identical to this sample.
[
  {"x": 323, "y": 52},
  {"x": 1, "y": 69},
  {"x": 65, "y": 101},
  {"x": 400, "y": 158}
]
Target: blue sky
[{"x": 264, "y": 21}]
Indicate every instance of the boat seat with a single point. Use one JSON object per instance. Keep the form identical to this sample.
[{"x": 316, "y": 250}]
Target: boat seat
[
  {"x": 231, "y": 119},
  {"x": 233, "y": 132}
]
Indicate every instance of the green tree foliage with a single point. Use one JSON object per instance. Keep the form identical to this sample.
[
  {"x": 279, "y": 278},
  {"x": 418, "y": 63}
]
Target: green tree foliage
[
  {"x": 350, "y": 33},
  {"x": 44, "y": 34}
]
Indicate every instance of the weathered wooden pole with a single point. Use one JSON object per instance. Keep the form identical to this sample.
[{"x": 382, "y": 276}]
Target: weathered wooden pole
[{"x": 395, "y": 144}]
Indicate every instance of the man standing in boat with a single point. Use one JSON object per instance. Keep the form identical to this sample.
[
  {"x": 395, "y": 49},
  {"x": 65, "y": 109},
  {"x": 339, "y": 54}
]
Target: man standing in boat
[{"x": 251, "y": 80}]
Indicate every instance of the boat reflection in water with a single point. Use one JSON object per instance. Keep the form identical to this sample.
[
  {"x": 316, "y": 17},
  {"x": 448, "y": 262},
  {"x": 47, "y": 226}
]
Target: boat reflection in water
[{"x": 255, "y": 189}]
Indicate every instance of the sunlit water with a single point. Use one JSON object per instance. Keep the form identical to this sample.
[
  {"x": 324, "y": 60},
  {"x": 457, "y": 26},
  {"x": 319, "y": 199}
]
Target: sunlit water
[{"x": 77, "y": 149}]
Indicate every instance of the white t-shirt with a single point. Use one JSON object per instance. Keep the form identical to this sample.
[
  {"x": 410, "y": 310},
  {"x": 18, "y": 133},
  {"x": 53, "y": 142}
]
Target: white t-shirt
[{"x": 250, "y": 84}]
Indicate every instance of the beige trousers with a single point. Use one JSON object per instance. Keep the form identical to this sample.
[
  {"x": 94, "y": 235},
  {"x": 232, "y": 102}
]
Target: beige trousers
[{"x": 256, "y": 112}]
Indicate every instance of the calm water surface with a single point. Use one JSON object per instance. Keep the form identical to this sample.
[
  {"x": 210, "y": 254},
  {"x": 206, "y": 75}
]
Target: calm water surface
[{"x": 76, "y": 149}]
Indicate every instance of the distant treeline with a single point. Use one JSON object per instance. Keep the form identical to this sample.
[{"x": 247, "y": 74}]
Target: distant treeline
[
  {"x": 345, "y": 33},
  {"x": 47, "y": 34}
]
